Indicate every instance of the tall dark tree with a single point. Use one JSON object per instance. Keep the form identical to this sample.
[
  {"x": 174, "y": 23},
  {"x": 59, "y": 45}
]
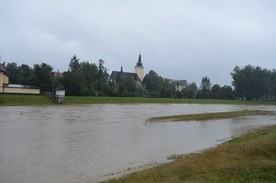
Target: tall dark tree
[
  {"x": 13, "y": 73},
  {"x": 216, "y": 92},
  {"x": 26, "y": 75},
  {"x": 74, "y": 63},
  {"x": 261, "y": 83},
  {"x": 167, "y": 89},
  {"x": 43, "y": 76},
  {"x": 190, "y": 91},
  {"x": 102, "y": 84},
  {"x": 74, "y": 84},
  {"x": 227, "y": 93},
  {"x": 205, "y": 88},
  {"x": 88, "y": 71},
  {"x": 153, "y": 83},
  {"x": 127, "y": 87},
  {"x": 272, "y": 89},
  {"x": 252, "y": 83},
  {"x": 81, "y": 79}
]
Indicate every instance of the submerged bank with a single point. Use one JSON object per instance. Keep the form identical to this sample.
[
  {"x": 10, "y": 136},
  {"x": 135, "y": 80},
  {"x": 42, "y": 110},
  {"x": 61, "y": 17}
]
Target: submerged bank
[
  {"x": 211, "y": 116},
  {"x": 25, "y": 100},
  {"x": 250, "y": 158}
]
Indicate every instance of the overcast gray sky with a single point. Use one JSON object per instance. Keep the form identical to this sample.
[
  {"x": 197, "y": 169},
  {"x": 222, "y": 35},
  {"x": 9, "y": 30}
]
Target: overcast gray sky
[{"x": 179, "y": 39}]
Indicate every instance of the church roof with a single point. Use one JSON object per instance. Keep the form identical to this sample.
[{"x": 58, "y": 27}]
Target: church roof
[
  {"x": 116, "y": 75},
  {"x": 139, "y": 63}
]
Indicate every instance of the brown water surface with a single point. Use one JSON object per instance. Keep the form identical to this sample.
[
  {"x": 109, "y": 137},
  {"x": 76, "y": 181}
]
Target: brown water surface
[{"x": 84, "y": 143}]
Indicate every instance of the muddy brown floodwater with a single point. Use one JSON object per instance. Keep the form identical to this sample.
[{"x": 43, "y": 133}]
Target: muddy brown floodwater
[{"x": 88, "y": 143}]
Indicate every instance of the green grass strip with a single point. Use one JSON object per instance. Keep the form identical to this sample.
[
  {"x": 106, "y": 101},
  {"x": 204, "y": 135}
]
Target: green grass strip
[
  {"x": 140, "y": 100},
  {"x": 21, "y": 100},
  {"x": 24, "y": 100},
  {"x": 210, "y": 116}
]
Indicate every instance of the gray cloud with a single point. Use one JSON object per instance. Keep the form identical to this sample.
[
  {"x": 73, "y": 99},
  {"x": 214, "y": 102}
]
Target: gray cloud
[{"x": 181, "y": 39}]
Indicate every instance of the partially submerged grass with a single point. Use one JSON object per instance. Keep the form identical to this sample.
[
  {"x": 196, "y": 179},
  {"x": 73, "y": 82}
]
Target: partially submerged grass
[
  {"x": 210, "y": 116},
  {"x": 250, "y": 158}
]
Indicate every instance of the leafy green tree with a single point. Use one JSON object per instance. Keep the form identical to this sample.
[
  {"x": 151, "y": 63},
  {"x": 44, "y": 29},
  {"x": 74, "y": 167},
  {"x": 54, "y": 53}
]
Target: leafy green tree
[
  {"x": 74, "y": 84},
  {"x": 267, "y": 83},
  {"x": 81, "y": 78},
  {"x": 88, "y": 72},
  {"x": 127, "y": 87},
  {"x": 252, "y": 83},
  {"x": 260, "y": 83},
  {"x": 84, "y": 78},
  {"x": 167, "y": 89},
  {"x": 102, "y": 77},
  {"x": 205, "y": 88},
  {"x": 157, "y": 86},
  {"x": 26, "y": 75},
  {"x": 74, "y": 63},
  {"x": 153, "y": 83},
  {"x": 43, "y": 76},
  {"x": 216, "y": 92},
  {"x": 113, "y": 89},
  {"x": 13, "y": 73},
  {"x": 227, "y": 93},
  {"x": 238, "y": 82},
  {"x": 272, "y": 89},
  {"x": 190, "y": 91}
]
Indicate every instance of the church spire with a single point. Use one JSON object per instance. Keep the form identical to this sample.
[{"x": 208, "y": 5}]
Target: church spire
[{"x": 139, "y": 63}]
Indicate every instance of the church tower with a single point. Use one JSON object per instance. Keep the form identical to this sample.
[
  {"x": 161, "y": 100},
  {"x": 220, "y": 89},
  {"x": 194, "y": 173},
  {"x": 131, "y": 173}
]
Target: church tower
[{"x": 139, "y": 69}]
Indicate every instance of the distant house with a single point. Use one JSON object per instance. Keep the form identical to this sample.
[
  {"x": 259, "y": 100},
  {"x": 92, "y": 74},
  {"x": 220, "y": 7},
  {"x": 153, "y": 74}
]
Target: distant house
[
  {"x": 5, "y": 87},
  {"x": 179, "y": 84},
  {"x": 138, "y": 75},
  {"x": 58, "y": 74}
]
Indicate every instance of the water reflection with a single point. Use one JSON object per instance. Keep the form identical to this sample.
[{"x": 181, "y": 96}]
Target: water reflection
[{"x": 88, "y": 142}]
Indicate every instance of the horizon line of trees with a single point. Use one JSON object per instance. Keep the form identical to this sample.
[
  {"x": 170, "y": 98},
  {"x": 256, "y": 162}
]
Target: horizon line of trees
[{"x": 84, "y": 78}]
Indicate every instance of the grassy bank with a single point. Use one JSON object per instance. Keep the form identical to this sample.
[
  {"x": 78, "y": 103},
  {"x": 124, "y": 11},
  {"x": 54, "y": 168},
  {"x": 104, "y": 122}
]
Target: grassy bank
[
  {"x": 134, "y": 100},
  {"x": 6, "y": 99},
  {"x": 24, "y": 100},
  {"x": 210, "y": 116},
  {"x": 250, "y": 158}
]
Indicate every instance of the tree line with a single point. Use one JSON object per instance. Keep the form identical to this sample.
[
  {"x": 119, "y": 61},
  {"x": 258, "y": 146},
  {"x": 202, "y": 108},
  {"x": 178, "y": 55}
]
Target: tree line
[{"x": 84, "y": 78}]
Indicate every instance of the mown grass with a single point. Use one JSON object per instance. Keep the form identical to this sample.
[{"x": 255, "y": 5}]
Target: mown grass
[
  {"x": 14, "y": 99},
  {"x": 250, "y": 158},
  {"x": 135, "y": 100},
  {"x": 24, "y": 100},
  {"x": 210, "y": 116}
]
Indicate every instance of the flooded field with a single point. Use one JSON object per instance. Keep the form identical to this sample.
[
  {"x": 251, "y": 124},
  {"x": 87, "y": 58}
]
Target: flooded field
[{"x": 95, "y": 142}]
